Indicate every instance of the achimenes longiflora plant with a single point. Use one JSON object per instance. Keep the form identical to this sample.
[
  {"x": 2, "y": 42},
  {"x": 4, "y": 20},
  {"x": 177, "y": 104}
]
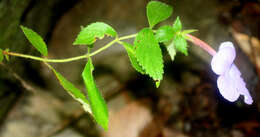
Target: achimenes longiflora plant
[{"x": 145, "y": 56}]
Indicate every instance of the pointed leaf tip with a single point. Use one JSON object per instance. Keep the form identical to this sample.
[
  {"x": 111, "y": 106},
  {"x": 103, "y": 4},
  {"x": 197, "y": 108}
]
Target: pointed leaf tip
[
  {"x": 88, "y": 35},
  {"x": 36, "y": 40},
  {"x": 97, "y": 102},
  {"x": 73, "y": 91},
  {"x": 171, "y": 50},
  {"x": 157, "y": 11},
  {"x": 157, "y": 84},
  {"x": 184, "y": 32},
  {"x": 177, "y": 26},
  {"x": 180, "y": 44}
]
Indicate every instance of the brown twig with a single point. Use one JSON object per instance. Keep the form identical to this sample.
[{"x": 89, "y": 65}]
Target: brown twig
[{"x": 24, "y": 84}]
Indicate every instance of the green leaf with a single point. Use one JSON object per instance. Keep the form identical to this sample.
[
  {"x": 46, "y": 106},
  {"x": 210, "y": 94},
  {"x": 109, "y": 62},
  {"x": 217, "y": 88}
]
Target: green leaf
[
  {"x": 157, "y": 11},
  {"x": 171, "y": 50},
  {"x": 180, "y": 44},
  {"x": 73, "y": 91},
  {"x": 97, "y": 102},
  {"x": 6, "y": 56},
  {"x": 157, "y": 83},
  {"x": 164, "y": 33},
  {"x": 131, "y": 54},
  {"x": 184, "y": 32},
  {"x": 149, "y": 54},
  {"x": 1, "y": 55},
  {"x": 177, "y": 26},
  {"x": 186, "y": 37},
  {"x": 88, "y": 35},
  {"x": 36, "y": 40}
]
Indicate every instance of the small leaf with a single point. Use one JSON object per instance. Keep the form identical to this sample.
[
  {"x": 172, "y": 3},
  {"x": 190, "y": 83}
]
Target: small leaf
[
  {"x": 73, "y": 91},
  {"x": 88, "y": 35},
  {"x": 164, "y": 33},
  {"x": 184, "y": 32},
  {"x": 180, "y": 44},
  {"x": 186, "y": 37},
  {"x": 157, "y": 83},
  {"x": 97, "y": 102},
  {"x": 1, "y": 55},
  {"x": 131, "y": 54},
  {"x": 157, "y": 11},
  {"x": 149, "y": 54},
  {"x": 177, "y": 26},
  {"x": 6, "y": 56},
  {"x": 171, "y": 50},
  {"x": 36, "y": 40}
]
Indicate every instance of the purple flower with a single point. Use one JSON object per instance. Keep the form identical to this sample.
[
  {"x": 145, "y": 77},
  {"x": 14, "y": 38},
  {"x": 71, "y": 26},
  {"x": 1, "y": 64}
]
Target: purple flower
[{"x": 230, "y": 83}]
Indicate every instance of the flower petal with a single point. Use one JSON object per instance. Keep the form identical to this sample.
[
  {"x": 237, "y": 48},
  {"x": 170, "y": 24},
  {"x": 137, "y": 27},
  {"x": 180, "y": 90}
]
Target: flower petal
[
  {"x": 223, "y": 59},
  {"x": 240, "y": 85},
  {"x": 227, "y": 88}
]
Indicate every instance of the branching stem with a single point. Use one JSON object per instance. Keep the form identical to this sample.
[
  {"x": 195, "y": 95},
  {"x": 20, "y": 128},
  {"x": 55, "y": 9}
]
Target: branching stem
[
  {"x": 72, "y": 58},
  {"x": 196, "y": 41}
]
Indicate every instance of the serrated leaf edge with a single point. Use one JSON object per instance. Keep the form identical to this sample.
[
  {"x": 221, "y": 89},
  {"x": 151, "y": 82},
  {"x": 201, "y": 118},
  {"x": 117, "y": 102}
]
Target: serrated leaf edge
[
  {"x": 162, "y": 63},
  {"x": 148, "y": 73},
  {"x": 133, "y": 52}
]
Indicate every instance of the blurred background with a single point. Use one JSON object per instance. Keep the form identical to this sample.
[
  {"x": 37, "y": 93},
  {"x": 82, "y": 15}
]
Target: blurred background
[{"x": 187, "y": 104}]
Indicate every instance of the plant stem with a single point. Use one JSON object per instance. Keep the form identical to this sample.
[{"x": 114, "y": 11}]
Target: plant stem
[
  {"x": 196, "y": 41},
  {"x": 69, "y": 59},
  {"x": 45, "y": 59},
  {"x": 111, "y": 43}
]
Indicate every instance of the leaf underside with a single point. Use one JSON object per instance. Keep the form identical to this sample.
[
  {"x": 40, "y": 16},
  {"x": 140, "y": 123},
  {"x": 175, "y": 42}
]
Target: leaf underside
[
  {"x": 148, "y": 53},
  {"x": 171, "y": 50},
  {"x": 97, "y": 102},
  {"x": 73, "y": 91}
]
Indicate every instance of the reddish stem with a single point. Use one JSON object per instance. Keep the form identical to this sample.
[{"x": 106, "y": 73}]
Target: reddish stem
[{"x": 196, "y": 41}]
